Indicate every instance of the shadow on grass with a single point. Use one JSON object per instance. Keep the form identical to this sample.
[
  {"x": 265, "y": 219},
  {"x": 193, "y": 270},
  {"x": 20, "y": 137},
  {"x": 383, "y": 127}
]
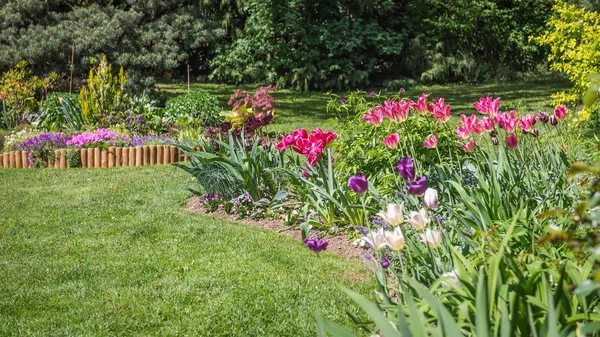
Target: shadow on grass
[{"x": 308, "y": 109}]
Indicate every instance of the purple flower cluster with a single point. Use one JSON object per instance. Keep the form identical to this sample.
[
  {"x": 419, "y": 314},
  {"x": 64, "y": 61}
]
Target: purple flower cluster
[
  {"x": 209, "y": 197},
  {"x": 147, "y": 139},
  {"x": 41, "y": 142},
  {"x": 101, "y": 136}
]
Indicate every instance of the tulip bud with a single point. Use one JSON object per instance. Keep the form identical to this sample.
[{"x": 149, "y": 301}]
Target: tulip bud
[
  {"x": 431, "y": 198},
  {"x": 495, "y": 141},
  {"x": 493, "y": 134},
  {"x": 542, "y": 117},
  {"x": 534, "y": 133},
  {"x": 553, "y": 120}
]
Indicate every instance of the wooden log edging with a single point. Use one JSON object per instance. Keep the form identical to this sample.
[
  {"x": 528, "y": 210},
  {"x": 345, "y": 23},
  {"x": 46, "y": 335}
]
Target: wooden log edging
[{"x": 102, "y": 157}]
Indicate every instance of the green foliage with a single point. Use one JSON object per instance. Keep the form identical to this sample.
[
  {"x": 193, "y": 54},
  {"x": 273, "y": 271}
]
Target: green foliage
[
  {"x": 74, "y": 159},
  {"x": 147, "y": 39},
  {"x": 60, "y": 111},
  {"x": 327, "y": 202},
  {"x": 103, "y": 96},
  {"x": 197, "y": 108},
  {"x": 238, "y": 167},
  {"x": 573, "y": 37},
  {"x": 20, "y": 93}
]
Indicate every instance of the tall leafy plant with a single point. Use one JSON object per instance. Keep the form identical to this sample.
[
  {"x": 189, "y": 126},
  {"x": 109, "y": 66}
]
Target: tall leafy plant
[
  {"x": 103, "y": 96},
  {"x": 237, "y": 166}
]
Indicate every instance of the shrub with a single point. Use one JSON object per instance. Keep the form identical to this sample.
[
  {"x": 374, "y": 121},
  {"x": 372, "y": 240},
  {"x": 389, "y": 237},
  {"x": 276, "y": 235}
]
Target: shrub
[
  {"x": 103, "y": 96},
  {"x": 251, "y": 112},
  {"x": 20, "y": 93},
  {"x": 201, "y": 108},
  {"x": 573, "y": 36},
  {"x": 74, "y": 159}
]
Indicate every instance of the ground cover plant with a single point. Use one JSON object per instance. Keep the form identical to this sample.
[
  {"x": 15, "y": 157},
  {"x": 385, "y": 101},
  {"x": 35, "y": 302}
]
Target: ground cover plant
[{"x": 112, "y": 252}]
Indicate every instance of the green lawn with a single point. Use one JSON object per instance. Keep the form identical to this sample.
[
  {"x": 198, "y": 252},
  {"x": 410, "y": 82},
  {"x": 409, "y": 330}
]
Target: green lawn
[
  {"x": 308, "y": 109},
  {"x": 112, "y": 252}
]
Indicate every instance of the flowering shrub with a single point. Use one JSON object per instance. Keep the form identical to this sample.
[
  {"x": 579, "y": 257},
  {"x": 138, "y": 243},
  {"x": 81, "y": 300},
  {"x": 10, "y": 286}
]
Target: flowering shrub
[
  {"x": 41, "y": 148},
  {"x": 251, "y": 112},
  {"x": 100, "y": 138}
]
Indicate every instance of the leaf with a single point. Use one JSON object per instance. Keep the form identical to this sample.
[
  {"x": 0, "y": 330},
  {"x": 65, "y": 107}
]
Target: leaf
[
  {"x": 374, "y": 312},
  {"x": 482, "y": 324}
]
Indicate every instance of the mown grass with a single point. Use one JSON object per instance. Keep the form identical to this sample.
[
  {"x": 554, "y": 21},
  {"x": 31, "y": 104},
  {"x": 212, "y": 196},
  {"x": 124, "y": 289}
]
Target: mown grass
[
  {"x": 112, "y": 252},
  {"x": 308, "y": 109}
]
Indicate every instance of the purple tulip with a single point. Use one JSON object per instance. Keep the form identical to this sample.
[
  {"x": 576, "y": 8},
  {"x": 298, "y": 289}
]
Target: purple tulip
[
  {"x": 406, "y": 168},
  {"x": 372, "y": 93},
  {"x": 418, "y": 187},
  {"x": 358, "y": 183},
  {"x": 316, "y": 244},
  {"x": 385, "y": 262},
  {"x": 368, "y": 256},
  {"x": 343, "y": 101}
]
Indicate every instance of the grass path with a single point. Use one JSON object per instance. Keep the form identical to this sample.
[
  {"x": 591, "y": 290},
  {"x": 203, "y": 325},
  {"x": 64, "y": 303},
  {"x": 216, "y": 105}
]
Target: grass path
[
  {"x": 112, "y": 252},
  {"x": 308, "y": 109}
]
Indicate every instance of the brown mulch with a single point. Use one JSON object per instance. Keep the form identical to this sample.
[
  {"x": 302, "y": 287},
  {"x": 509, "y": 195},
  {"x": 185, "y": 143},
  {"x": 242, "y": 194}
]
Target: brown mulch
[{"x": 338, "y": 244}]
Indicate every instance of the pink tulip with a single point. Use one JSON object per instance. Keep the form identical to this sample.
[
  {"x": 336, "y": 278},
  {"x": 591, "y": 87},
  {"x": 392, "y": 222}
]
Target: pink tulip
[
  {"x": 488, "y": 106},
  {"x": 373, "y": 117},
  {"x": 421, "y": 105},
  {"x": 527, "y": 122},
  {"x": 470, "y": 145},
  {"x": 440, "y": 111},
  {"x": 561, "y": 112},
  {"x": 508, "y": 122},
  {"x": 463, "y": 132},
  {"x": 392, "y": 140},
  {"x": 511, "y": 141},
  {"x": 397, "y": 112},
  {"x": 431, "y": 142},
  {"x": 486, "y": 123}
]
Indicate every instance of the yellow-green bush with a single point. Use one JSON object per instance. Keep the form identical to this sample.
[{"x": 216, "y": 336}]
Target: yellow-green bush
[
  {"x": 573, "y": 36},
  {"x": 103, "y": 96}
]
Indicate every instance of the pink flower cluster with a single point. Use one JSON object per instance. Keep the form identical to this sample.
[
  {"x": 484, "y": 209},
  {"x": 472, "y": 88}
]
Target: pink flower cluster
[
  {"x": 311, "y": 146},
  {"x": 100, "y": 136},
  {"x": 506, "y": 121},
  {"x": 398, "y": 112}
]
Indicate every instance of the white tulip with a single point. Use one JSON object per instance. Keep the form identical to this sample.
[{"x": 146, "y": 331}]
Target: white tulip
[
  {"x": 376, "y": 239},
  {"x": 432, "y": 238},
  {"x": 418, "y": 219},
  {"x": 393, "y": 215},
  {"x": 395, "y": 239}
]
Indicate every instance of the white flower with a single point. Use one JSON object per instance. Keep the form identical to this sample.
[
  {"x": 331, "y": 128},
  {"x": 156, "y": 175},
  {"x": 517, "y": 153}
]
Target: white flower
[
  {"x": 393, "y": 215},
  {"x": 395, "y": 239},
  {"x": 432, "y": 238},
  {"x": 418, "y": 219},
  {"x": 431, "y": 198},
  {"x": 376, "y": 239}
]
